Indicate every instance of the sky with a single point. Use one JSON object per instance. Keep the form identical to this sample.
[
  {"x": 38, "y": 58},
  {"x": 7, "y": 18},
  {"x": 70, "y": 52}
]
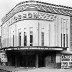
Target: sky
[{"x": 7, "y": 5}]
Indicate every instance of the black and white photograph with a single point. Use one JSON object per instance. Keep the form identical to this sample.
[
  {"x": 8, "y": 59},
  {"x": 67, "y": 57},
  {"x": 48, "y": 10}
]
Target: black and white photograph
[{"x": 35, "y": 36}]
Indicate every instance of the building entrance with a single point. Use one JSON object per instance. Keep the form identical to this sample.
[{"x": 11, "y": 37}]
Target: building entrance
[
  {"x": 32, "y": 59},
  {"x": 47, "y": 59}
]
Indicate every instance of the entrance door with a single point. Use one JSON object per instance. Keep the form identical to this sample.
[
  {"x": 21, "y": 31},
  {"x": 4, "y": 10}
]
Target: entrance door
[
  {"x": 28, "y": 61},
  {"x": 41, "y": 61},
  {"x": 50, "y": 59}
]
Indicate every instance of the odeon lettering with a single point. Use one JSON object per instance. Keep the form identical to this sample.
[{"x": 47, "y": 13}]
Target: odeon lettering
[
  {"x": 26, "y": 16},
  {"x": 32, "y": 15}
]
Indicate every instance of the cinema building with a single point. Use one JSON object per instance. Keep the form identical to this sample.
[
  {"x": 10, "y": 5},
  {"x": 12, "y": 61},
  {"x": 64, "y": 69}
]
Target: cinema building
[{"x": 34, "y": 34}]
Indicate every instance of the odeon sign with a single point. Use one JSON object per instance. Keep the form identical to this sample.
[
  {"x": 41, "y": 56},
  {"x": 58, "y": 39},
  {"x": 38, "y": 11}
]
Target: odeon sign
[{"x": 32, "y": 15}]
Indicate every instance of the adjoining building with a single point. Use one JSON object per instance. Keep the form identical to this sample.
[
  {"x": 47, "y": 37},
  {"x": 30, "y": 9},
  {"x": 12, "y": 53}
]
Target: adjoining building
[{"x": 34, "y": 34}]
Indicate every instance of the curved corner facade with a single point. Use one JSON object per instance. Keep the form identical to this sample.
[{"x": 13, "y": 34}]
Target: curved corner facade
[{"x": 34, "y": 34}]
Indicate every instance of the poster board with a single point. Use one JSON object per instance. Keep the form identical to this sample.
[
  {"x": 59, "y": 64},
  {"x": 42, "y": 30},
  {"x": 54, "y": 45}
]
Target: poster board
[
  {"x": 66, "y": 61},
  {"x": 3, "y": 57}
]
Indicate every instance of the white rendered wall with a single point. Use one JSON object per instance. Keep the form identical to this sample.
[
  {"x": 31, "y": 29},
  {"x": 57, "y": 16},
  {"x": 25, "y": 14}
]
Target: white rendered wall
[
  {"x": 19, "y": 27},
  {"x": 65, "y": 22},
  {"x": 52, "y": 31},
  {"x": 48, "y": 28}
]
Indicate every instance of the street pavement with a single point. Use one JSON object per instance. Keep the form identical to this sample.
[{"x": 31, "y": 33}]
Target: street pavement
[
  {"x": 47, "y": 70},
  {"x": 23, "y": 69}
]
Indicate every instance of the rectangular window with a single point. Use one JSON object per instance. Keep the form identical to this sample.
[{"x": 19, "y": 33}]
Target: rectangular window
[
  {"x": 13, "y": 40},
  {"x": 31, "y": 38},
  {"x": 67, "y": 40},
  {"x": 52, "y": 59},
  {"x": 20, "y": 39},
  {"x": 64, "y": 40},
  {"x": 61, "y": 39},
  {"x": 0, "y": 39},
  {"x": 42, "y": 38},
  {"x": 25, "y": 39}
]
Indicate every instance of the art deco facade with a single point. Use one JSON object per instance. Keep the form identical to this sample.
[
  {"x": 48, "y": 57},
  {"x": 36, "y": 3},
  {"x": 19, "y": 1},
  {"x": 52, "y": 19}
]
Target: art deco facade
[{"x": 34, "y": 34}]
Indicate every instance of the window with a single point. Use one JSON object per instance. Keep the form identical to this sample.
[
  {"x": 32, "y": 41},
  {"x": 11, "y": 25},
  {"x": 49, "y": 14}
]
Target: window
[
  {"x": 61, "y": 39},
  {"x": 31, "y": 38},
  {"x": 0, "y": 39},
  {"x": 52, "y": 59},
  {"x": 20, "y": 39},
  {"x": 25, "y": 39},
  {"x": 42, "y": 38},
  {"x": 67, "y": 40},
  {"x": 64, "y": 40},
  {"x": 13, "y": 40}
]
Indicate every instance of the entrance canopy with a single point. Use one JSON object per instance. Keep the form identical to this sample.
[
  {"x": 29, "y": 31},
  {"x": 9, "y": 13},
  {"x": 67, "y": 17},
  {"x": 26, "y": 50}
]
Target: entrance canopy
[
  {"x": 67, "y": 52},
  {"x": 34, "y": 48}
]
